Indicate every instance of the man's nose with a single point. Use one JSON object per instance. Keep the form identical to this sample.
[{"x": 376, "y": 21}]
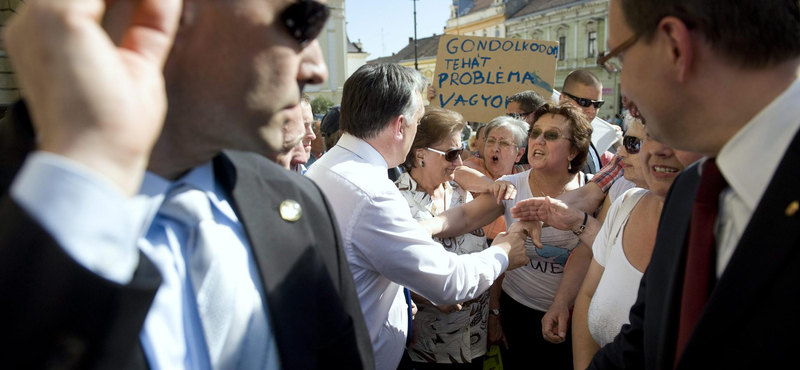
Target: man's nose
[{"x": 312, "y": 66}]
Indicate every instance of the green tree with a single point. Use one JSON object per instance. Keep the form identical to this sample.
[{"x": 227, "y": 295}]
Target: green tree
[{"x": 321, "y": 104}]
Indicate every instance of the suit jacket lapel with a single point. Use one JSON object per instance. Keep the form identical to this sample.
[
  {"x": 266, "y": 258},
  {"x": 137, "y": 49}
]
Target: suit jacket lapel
[
  {"x": 762, "y": 254},
  {"x": 668, "y": 260}
]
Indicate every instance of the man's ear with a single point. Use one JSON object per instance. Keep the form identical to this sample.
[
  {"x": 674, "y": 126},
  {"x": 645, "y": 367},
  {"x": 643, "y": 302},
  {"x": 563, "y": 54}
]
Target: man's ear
[
  {"x": 674, "y": 35},
  {"x": 398, "y": 126},
  {"x": 520, "y": 153}
]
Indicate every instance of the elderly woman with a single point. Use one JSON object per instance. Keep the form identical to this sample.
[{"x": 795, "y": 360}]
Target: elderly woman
[
  {"x": 558, "y": 143},
  {"x": 504, "y": 145},
  {"x": 452, "y": 334}
]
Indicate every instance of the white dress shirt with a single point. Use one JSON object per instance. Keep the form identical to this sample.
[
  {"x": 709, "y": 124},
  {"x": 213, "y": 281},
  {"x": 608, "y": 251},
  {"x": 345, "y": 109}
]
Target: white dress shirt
[
  {"x": 104, "y": 231},
  {"x": 387, "y": 249},
  {"x": 748, "y": 162}
]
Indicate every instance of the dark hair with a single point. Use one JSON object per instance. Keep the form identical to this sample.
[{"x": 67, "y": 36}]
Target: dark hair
[
  {"x": 478, "y": 130},
  {"x": 751, "y": 33},
  {"x": 377, "y": 93},
  {"x": 329, "y": 128},
  {"x": 583, "y": 77},
  {"x": 578, "y": 124},
  {"x": 436, "y": 125},
  {"x": 529, "y": 101}
]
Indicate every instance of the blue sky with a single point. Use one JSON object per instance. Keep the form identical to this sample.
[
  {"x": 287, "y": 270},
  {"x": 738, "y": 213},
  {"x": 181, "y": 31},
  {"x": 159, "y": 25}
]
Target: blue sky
[{"x": 384, "y": 26}]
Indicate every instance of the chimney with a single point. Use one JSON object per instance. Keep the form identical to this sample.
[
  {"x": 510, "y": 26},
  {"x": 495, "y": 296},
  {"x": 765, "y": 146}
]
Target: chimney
[{"x": 410, "y": 40}]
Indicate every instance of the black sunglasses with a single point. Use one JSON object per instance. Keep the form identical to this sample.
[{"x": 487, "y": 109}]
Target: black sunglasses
[
  {"x": 586, "y": 103},
  {"x": 305, "y": 19},
  {"x": 450, "y": 155},
  {"x": 632, "y": 144}
]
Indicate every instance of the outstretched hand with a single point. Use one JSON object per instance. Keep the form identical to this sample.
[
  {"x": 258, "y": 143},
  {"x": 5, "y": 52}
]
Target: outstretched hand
[
  {"x": 531, "y": 229},
  {"x": 92, "y": 101},
  {"x": 503, "y": 190},
  {"x": 553, "y": 212}
]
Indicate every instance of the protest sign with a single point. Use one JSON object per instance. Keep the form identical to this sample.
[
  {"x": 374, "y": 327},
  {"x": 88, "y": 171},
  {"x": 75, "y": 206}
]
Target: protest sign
[{"x": 476, "y": 75}]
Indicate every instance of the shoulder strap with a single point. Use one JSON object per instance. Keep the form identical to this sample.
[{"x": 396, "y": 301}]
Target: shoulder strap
[{"x": 630, "y": 199}]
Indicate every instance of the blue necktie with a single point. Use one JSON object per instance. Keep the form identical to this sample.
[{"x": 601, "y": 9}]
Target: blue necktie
[{"x": 410, "y": 336}]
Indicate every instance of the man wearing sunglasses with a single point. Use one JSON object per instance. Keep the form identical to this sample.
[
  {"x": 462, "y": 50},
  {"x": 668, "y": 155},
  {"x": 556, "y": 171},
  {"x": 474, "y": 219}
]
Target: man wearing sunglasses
[
  {"x": 718, "y": 77},
  {"x": 584, "y": 90},
  {"x": 140, "y": 234}
]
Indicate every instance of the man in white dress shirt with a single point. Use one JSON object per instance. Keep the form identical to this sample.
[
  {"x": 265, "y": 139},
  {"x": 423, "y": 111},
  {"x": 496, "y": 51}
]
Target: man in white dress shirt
[{"x": 386, "y": 248}]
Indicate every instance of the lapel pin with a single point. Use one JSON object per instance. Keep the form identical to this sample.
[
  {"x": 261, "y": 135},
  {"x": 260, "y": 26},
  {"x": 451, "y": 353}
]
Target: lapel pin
[
  {"x": 791, "y": 210},
  {"x": 290, "y": 210}
]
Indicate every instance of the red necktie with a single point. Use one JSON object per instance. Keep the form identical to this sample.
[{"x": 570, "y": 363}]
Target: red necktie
[{"x": 700, "y": 273}]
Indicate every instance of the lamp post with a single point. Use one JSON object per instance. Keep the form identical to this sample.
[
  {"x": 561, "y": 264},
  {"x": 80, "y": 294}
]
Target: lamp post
[{"x": 416, "y": 66}]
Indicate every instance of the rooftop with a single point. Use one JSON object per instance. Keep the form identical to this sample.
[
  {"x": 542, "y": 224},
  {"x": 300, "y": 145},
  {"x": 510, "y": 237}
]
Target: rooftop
[{"x": 426, "y": 48}]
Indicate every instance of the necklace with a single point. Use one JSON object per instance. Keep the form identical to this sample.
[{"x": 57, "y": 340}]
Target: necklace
[{"x": 540, "y": 188}]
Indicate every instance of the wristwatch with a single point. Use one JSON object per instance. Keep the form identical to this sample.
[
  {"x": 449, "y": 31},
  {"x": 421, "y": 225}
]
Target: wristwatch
[{"x": 495, "y": 312}]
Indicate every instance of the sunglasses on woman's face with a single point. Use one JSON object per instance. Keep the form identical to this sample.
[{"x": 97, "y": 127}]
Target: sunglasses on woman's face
[
  {"x": 632, "y": 144},
  {"x": 548, "y": 135},
  {"x": 586, "y": 103},
  {"x": 304, "y": 19},
  {"x": 450, "y": 155}
]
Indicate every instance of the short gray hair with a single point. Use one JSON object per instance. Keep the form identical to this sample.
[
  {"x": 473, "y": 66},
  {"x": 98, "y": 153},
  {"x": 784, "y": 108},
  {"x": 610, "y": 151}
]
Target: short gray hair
[
  {"x": 377, "y": 93},
  {"x": 518, "y": 128}
]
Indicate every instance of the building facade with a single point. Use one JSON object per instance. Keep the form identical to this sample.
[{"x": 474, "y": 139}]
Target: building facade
[
  {"x": 580, "y": 27},
  {"x": 342, "y": 56},
  {"x": 9, "y": 89}
]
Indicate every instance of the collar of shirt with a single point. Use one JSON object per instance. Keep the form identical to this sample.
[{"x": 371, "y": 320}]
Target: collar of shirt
[
  {"x": 362, "y": 149},
  {"x": 749, "y": 160},
  {"x": 154, "y": 189}
]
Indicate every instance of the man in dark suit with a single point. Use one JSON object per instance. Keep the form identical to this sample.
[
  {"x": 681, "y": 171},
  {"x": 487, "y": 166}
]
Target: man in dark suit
[
  {"x": 86, "y": 280},
  {"x": 718, "y": 77}
]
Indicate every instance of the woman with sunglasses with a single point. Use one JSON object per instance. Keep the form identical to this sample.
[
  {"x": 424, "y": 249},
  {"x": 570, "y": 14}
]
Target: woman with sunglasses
[
  {"x": 450, "y": 334},
  {"x": 622, "y": 249},
  {"x": 558, "y": 144}
]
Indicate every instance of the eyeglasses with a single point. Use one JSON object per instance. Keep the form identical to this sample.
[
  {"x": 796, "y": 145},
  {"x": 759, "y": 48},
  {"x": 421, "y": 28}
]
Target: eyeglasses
[
  {"x": 586, "y": 103},
  {"x": 632, "y": 144},
  {"x": 609, "y": 61},
  {"x": 548, "y": 135},
  {"x": 305, "y": 19},
  {"x": 450, "y": 155},
  {"x": 518, "y": 116},
  {"x": 503, "y": 144}
]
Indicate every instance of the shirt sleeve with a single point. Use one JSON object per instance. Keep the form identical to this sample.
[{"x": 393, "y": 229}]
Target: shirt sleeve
[
  {"x": 91, "y": 220},
  {"x": 399, "y": 249},
  {"x": 609, "y": 173}
]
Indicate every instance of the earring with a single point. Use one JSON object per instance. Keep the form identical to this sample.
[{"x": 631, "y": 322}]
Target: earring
[
  {"x": 422, "y": 163},
  {"x": 569, "y": 166}
]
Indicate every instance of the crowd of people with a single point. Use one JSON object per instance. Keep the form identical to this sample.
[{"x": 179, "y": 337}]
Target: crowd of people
[{"x": 171, "y": 202}]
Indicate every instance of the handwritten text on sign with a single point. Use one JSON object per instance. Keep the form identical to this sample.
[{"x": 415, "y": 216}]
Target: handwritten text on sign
[{"x": 476, "y": 75}]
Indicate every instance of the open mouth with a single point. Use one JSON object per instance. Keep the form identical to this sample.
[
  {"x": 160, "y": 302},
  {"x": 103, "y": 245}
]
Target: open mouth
[
  {"x": 538, "y": 153},
  {"x": 495, "y": 159}
]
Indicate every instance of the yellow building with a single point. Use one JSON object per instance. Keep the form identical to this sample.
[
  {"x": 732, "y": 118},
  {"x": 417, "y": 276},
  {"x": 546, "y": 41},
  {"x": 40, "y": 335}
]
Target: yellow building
[
  {"x": 481, "y": 17},
  {"x": 580, "y": 28}
]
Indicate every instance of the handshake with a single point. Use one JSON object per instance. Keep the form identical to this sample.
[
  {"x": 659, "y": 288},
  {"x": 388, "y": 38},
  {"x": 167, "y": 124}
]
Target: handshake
[{"x": 513, "y": 241}]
